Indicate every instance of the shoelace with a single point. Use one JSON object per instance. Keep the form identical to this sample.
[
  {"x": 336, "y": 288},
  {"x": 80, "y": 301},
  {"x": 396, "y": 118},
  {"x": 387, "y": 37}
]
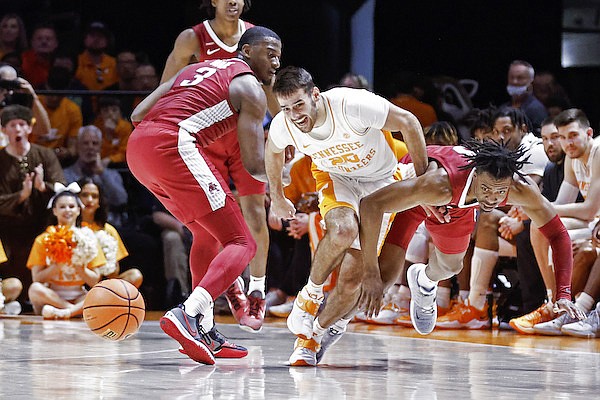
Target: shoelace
[
  {"x": 233, "y": 297},
  {"x": 254, "y": 307},
  {"x": 593, "y": 319}
]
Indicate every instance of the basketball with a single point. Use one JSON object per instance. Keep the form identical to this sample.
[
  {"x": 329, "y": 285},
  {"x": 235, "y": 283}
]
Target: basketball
[{"x": 114, "y": 309}]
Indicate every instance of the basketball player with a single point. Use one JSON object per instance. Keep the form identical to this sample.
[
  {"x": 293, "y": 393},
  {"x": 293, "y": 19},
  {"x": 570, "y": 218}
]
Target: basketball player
[
  {"x": 202, "y": 104},
  {"x": 214, "y": 39},
  {"x": 484, "y": 175},
  {"x": 346, "y": 132}
]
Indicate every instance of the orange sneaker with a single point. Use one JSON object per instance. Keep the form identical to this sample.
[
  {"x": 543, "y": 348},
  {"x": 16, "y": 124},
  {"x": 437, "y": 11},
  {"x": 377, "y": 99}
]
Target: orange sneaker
[
  {"x": 465, "y": 316},
  {"x": 525, "y": 323}
]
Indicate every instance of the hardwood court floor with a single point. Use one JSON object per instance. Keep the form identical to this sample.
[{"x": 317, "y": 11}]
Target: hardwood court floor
[{"x": 64, "y": 360}]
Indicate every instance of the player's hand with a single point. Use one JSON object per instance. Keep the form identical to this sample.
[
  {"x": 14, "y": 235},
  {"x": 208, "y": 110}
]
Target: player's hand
[
  {"x": 517, "y": 213},
  {"x": 298, "y": 226},
  {"x": 38, "y": 180},
  {"x": 510, "y": 227},
  {"x": 27, "y": 187},
  {"x": 371, "y": 295},
  {"x": 283, "y": 208},
  {"x": 596, "y": 235},
  {"x": 441, "y": 213},
  {"x": 564, "y": 305}
]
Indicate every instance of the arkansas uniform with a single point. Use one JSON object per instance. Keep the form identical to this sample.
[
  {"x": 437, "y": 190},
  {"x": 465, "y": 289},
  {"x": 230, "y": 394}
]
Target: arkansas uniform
[
  {"x": 451, "y": 237},
  {"x": 166, "y": 154}
]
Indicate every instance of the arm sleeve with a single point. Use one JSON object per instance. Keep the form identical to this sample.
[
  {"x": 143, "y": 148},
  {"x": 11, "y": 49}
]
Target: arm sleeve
[{"x": 562, "y": 256}]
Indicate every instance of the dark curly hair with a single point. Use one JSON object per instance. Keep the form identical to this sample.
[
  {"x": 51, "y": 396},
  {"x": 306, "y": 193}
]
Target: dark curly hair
[
  {"x": 210, "y": 10},
  {"x": 495, "y": 158}
]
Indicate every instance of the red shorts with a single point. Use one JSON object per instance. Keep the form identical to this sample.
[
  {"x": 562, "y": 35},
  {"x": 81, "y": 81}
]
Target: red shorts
[
  {"x": 450, "y": 238},
  {"x": 226, "y": 157},
  {"x": 176, "y": 171}
]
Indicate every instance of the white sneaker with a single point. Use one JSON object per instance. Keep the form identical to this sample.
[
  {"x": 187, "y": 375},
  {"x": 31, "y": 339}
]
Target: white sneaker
[
  {"x": 11, "y": 308},
  {"x": 387, "y": 315},
  {"x": 51, "y": 312},
  {"x": 305, "y": 353},
  {"x": 423, "y": 310},
  {"x": 301, "y": 318},
  {"x": 588, "y": 328},
  {"x": 553, "y": 327},
  {"x": 282, "y": 310},
  {"x": 333, "y": 334}
]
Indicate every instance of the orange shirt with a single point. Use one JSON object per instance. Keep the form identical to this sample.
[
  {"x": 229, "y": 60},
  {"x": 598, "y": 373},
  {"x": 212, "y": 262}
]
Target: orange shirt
[
  {"x": 67, "y": 275},
  {"x": 96, "y": 77},
  {"x": 114, "y": 143},
  {"x": 423, "y": 111},
  {"x": 65, "y": 122}
]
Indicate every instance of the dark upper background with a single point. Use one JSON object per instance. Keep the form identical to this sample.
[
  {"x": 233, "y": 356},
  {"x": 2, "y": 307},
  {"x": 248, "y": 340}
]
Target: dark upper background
[{"x": 461, "y": 38}]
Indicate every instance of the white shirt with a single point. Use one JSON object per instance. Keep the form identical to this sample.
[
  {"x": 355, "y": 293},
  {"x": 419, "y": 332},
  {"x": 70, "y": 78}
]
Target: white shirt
[{"x": 350, "y": 142}]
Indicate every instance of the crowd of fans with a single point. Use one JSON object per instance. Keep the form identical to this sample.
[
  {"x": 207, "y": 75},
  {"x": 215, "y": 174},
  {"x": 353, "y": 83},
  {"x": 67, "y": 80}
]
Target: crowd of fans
[{"x": 65, "y": 125}]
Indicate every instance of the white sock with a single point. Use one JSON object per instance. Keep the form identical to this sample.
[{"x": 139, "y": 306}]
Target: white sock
[
  {"x": 549, "y": 295},
  {"x": 463, "y": 294},
  {"x": 404, "y": 292},
  {"x": 208, "y": 321},
  {"x": 585, "y": 302},
  {"x": 424, "y": 281},
  {"x": 482, "y": 266},
  {"x": 313, "y": 291},
  {"x": 199, "y": 302},
  {"x": 257, "y": 283},
  {"x": 318, "y": 331},
  {"x": 443, "y": 297}
]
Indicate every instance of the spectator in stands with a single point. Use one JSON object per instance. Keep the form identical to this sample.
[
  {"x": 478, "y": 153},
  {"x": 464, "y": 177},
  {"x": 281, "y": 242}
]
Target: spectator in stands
[
  {"x": 29, "y": 173},
  {"x": 67, "y": 60},
  {"x": 404, "y": 94},
  {"x": 37, "y": 61},
  {"x": 520, "y": 89},
  {"x": 115, "y": 130},
  {"x": 94, "y": 215},
  {"x": 65, "y": 118},
  {"x": 58, "y": 290},
  {"x": 96, "y": 69},
  {"x": 126, "y": 66},
  {"x": 176, "y": 244},
  {"x": 89, "y": 165},
  {"x": 13, "y": 37},
  {"x": 16, "y": 90}
]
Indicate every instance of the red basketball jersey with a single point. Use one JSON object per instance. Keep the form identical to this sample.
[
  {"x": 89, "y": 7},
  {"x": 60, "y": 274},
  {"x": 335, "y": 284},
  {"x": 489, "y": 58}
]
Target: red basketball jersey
[
  {"x": 213, "y": 48},
  {"x": 452, "y": 158},
  {"x": 199, "y": 102}
]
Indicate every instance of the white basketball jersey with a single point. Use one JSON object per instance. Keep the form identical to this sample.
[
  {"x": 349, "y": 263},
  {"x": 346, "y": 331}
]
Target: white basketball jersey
[
  {"x": 583, "y": 172},
  {"x": 350, "y": 142}
]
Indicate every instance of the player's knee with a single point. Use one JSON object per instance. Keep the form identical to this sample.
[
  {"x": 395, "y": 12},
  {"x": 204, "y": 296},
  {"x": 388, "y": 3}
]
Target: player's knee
[
  {"x": 36, "y": 290},
  {"x": 342, "y": 234},
  {"x": 11, "y": 288}
]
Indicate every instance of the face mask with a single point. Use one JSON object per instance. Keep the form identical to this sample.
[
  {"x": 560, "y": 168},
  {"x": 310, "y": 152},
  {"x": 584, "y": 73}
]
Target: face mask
[{"x": 516, "y": 90}]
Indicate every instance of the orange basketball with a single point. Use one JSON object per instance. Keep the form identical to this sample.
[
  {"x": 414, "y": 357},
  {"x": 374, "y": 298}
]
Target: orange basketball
[{"x": 114, "y": 309}]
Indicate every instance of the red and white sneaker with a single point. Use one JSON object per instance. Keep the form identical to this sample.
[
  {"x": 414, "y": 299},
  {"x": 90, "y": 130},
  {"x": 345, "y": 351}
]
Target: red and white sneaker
[
  {"x": 252, "y": 320},
  {"x": 238, "y": 302},
  {"x": 185, "y": 330}
]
